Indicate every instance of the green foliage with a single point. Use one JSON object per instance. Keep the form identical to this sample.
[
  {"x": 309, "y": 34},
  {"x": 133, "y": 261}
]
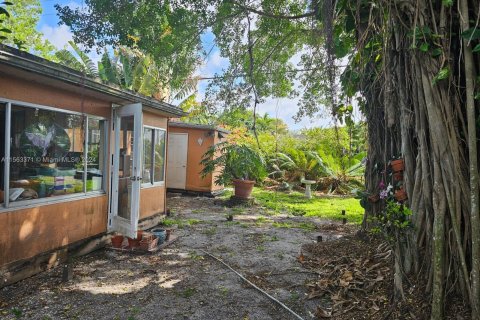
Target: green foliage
[
  {"x": 395, "y": 218},
  {"x": 128, "y": 68},
  {"x": 443, "y": 74},
  {"x": 168, "y": 32},
  {"x": 77, "y": 60},
  {"x": 321, "y": 207},
  {"x": 18, "y": 27},
  {"x": 234, "y": 161},
  {"x": 298, "y": 164},
  {"x": 3, "y": 16}
]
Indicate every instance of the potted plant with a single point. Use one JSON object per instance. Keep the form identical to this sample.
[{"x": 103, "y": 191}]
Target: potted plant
[
  {"x": 398, "y": 165},
  {"x": 117, "y": 240},
  {"x": 235, "y": 163},
  {"x": 400, "y": 194}
]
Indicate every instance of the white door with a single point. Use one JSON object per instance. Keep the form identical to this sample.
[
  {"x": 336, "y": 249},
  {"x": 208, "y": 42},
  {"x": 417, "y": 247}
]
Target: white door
[
  {"x": 177, "y": 160},
  {"x": 127, "y": 171}
]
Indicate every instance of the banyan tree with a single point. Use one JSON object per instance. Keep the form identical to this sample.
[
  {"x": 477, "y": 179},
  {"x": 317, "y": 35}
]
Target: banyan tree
[{"x": 416, "y": 65}]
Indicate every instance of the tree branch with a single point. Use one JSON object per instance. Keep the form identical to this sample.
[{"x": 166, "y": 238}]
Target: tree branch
[{"x": 275, "y": 16}]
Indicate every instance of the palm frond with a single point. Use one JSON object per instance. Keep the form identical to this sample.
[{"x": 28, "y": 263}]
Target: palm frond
[
  {"x": 67, "y": 58},
  {"x": 88, "y": 66}
]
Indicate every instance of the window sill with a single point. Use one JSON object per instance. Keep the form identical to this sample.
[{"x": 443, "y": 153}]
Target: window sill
[{"x": 27, "y": 204}]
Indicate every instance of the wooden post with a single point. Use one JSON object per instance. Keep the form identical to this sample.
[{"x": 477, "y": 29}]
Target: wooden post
[{"x": 344, "y": 221}]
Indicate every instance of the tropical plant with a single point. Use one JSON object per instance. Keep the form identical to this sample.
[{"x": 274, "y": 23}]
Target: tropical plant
[
  {"x": 128, "y": 68},
  {"x": 295, "y": 165},
  {"x": 3, "y": 16},
  {"x": 234, "y": 161},
  {"x": 81, "y": 61}
]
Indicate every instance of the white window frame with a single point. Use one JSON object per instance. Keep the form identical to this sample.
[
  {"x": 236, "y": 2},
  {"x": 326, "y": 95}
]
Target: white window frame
[
  {"x": 9, "y": 206},
  {"x": 153, "y": 183}
]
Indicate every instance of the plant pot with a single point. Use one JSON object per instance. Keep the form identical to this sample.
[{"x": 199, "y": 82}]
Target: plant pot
[
  {"x": 400, "y": 195},
  {"x": 243, "y": 188},
  {"x": 397, "y": 165},
  {"x": 149, "y": 244},
  {"x": 398, "y": 176},
  {"x": 133, "y": 243},
  {"x": 117, "y": 241},
  {"x": 160, "y": 233}
]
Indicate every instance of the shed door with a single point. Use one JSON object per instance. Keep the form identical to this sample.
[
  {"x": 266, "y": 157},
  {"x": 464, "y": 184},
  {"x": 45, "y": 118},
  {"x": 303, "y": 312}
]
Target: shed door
[{"x": 177, "y": 160}]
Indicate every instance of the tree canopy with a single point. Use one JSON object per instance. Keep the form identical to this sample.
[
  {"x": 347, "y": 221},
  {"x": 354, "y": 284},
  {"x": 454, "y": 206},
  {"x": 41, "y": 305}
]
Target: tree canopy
[{"x": 22, "y": 21}]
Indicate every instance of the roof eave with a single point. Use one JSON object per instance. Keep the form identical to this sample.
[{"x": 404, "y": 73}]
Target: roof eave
[{"x": 31, "y": 63}]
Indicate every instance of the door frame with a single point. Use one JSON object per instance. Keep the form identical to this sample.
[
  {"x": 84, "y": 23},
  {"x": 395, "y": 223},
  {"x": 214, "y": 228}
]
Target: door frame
[{"x": 115, "y": 222}]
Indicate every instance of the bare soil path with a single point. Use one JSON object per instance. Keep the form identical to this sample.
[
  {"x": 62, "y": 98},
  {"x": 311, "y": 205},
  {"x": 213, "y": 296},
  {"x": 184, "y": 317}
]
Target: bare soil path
[{"x": 181, "y": 282}]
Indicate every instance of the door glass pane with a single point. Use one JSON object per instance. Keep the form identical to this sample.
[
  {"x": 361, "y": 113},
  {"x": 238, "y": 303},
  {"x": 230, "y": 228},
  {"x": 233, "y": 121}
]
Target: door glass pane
[
  {"x": 47, "y": 152},
  {"x": 95, "y": 155},
  {"x": 159, "y": 155},
  {"x": 125, "y": 167},
  {"x": 147, "y": 155}
]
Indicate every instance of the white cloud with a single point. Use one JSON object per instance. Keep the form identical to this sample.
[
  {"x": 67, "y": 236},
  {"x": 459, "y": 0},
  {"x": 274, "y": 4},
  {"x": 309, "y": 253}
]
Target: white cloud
[{"x": 58, "y": 35}]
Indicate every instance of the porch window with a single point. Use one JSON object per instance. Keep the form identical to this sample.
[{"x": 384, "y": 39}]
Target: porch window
[
  {"x": 159, "y": 164},
  {"x": 153, "y": 156},
  {"x": 51, "y": 153}
]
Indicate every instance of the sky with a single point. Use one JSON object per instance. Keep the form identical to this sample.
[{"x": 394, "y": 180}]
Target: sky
[{"x": 285, "y": 109}]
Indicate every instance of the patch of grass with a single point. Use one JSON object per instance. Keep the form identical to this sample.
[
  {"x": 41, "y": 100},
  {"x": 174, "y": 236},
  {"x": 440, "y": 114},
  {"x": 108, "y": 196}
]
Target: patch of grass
[
  {"x": 187, "y": 293},
  {"x": 17, "y": 313},
  {"x": 307, "y": 226},
  {"x": 294, "y": 296},
  {"x": 274, "y": 238},
  {"x": 180, "y": 222},
  {"x": 194, "y": 256},
  {"x": 231, "y": 223},
  {"x": 238, "y": 210},
  {"x": 210, "y": 231},
  {"x": 286, "y": 225},
  {"x": 296, "y": 204},
  {"x": 261, "y": 220},
  {"x": 223, "y": 290},
  {"x": 196, "y": 211},
  {"x": 192, "y": 222},
  {"x": 260, "y": 248}
]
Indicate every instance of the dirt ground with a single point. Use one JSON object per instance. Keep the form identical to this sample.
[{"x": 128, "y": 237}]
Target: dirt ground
[{"x": 277, "y": 253}]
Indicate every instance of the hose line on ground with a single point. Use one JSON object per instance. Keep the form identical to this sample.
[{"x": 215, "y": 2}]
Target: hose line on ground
[{"x": 253, "y": 285}]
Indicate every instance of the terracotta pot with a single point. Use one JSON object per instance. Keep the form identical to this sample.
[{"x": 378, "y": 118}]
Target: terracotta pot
[
  {"x": 133, "y": 243},
  {"x": 400, "y": 195},
  {"x": 243, "y": 188},
  {"x": 398, "y": 176},
  {"x": 117, "y": 241},
  {"x": 397, "y": 165}
]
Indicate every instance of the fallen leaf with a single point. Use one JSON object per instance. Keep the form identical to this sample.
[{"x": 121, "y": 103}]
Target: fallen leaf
[{"x": 322, "y": 313}]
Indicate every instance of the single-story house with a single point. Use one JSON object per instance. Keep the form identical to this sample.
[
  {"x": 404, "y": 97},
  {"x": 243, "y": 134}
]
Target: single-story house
[
  {"x": 187, "y": 143},
  {"x": 80, "y": 159}
]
